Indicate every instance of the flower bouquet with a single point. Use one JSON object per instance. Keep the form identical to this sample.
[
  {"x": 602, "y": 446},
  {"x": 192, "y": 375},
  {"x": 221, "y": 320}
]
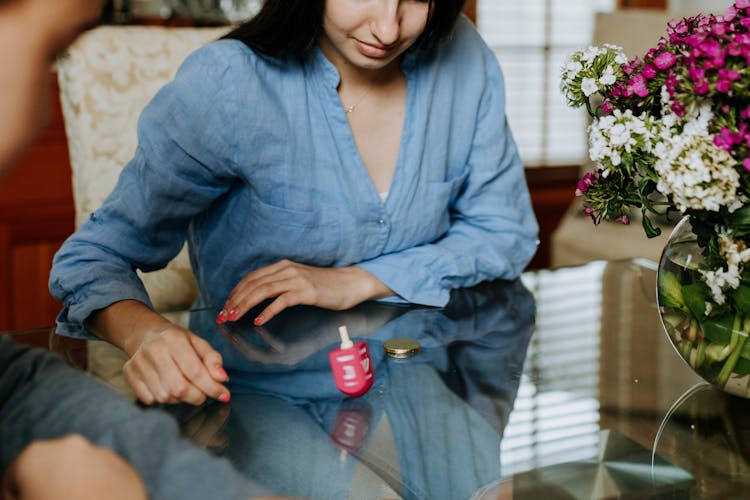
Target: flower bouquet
[{"x": 671, "y": 136}]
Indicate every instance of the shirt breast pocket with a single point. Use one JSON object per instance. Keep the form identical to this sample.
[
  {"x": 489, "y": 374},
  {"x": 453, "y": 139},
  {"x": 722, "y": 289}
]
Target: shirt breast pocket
[
  {"x": 305, "y": 236},
  {"x": 434, "y": 204}
]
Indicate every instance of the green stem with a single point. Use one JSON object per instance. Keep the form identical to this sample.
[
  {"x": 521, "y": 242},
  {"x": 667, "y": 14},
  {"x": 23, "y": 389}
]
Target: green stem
[
  {"x": 737, "y": 342},
  {"x": 588, "y": 108},
  {"x": 692, "y": 330},
  {"x": 700, "y": 357},
  {"x": 686, "y": 348}
]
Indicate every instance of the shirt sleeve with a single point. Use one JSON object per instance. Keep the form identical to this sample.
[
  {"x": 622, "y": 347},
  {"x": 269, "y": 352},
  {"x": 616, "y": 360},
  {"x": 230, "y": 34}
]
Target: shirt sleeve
[
  {"x": 42, "y": 398},
  {"x": 178, "y": 170},
  {"x": 493, "y": 230}
]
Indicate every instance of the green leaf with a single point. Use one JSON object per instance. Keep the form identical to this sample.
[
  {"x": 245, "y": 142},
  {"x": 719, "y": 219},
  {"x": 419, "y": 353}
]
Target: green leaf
[
  {"x": 651, "y": 231},
  {"x": 741, "y": 297},
  {"x": 718, "y": 330},
  {"x": 742, "y": 367},
  {"x": 694, "y": 296},
  {"x": 740, "y": 218},
  {"x": 670, "y": 291}
]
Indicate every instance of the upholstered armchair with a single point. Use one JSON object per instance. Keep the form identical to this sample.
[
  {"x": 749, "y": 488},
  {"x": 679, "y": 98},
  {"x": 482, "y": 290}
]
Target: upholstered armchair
[{"x": 106, "y": 78}]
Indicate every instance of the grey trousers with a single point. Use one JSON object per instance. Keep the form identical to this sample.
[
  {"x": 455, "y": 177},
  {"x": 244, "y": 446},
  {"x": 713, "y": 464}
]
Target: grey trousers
[{"x": 43, "y": 398}]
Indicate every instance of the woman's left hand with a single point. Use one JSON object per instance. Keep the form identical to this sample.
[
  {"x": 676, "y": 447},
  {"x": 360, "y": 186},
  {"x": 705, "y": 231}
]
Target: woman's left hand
[{"x": 293, "y": 284}]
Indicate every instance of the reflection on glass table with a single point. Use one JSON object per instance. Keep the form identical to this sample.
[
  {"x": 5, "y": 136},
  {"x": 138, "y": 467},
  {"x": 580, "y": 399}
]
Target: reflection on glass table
[
  {"x": 430, "y": 426},
  {"x": 560, "y": 385}
]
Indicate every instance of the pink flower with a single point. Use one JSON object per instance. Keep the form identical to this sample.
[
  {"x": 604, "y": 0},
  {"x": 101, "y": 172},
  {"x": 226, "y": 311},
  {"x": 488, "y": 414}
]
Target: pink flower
[
  {"x": 746, "y": 164},
  {"x": 723, "y": 86},
  {"x": 729, "y": 74},
  {"x": 588, "y": 180},
  {"x": 701, "y": 87},
  {"x": 724, "y": 139},
  {"x": 742, "y": 4},
  {"x": 589, "y": 212},
  {"x": 710, "y": 48},
  {"x": 730, "y": 13},
  {"x": 623, "y": 219},
  {"x": 665, "y": 60},
  {"x": 696, "y": 73},
  {"x": 650, "y": 71},
  {"x": 638, "y": 86},
  {"x": 607, "y": 107}
]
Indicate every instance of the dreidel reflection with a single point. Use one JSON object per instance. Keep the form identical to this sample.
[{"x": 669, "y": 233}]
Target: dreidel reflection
[
  {"x": 351, "y": 426},
  {"x": 351, "y": 366}
]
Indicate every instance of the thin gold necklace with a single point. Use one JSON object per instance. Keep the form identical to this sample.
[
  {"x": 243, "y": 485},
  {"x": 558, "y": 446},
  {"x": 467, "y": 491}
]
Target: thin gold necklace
[{"x": 350, "y": 109}]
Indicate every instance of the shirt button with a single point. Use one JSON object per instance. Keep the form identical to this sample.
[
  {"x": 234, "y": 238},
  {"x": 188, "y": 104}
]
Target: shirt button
[{"x": 381, "y": 221}]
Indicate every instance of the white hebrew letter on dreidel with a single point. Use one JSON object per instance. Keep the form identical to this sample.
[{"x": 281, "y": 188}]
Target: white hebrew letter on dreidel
[
  {"x": 365, "y": 364},
  {"x": 349, "y": 372}
]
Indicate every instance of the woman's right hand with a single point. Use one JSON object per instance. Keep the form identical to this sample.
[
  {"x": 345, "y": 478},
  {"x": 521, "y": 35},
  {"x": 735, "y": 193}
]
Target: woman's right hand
[
  {"x": 168, "y": 363},
  {"x": 175, "y": 365}
]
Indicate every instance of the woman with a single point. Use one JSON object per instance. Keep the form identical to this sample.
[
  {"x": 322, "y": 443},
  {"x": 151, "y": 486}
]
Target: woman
[
  {"x": 64, "y": 435},
  {"x": 326, "y": 153}
]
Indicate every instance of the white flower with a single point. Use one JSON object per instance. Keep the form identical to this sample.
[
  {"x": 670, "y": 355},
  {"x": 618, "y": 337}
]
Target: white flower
[
  {"x": 611, "y": 137},
  {"x": 696, "y": 173},
  {"x": 590, "y": 71},
  {"x": 588, "y": 86},
  {"x": 608, "y": 76},
  {"x": 573, "y": 67},
  {"x": 719, "y": 280}
]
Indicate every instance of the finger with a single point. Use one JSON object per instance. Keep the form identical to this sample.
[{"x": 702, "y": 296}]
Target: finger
[
  {"x": 193, "y": 369},
  {"x": 282, "y": 302},
  {"x": 139, "y": 387},
  {"x": 153, "y": 365},
  {"x": 211, "y": 359},
  {"x": 164, "y": 378},
  {"x": 268, "y": 270},
  {"x": 251, "y": 297},
  {"x": 233, "y": 309},
  {"x": 181, "y": 387}
]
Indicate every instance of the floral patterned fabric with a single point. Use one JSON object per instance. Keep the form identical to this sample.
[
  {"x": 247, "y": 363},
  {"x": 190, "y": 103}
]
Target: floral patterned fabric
[{"x": 106, "y": 78}]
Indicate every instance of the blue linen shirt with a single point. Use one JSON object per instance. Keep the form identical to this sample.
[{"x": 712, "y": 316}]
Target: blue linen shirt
[{"x": 252, "y": 160}]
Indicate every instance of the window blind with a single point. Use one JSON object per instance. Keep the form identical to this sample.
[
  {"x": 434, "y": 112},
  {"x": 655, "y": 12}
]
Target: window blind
[
  {"x": 532, "y": 40},
  {"x": 555, "y": 416}
]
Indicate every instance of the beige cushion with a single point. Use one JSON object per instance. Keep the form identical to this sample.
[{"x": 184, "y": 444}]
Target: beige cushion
[{"x": 106, "y": 78}]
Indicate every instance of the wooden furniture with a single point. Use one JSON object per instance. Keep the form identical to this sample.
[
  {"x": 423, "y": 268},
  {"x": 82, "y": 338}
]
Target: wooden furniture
[{"x": 36, "y": 215}]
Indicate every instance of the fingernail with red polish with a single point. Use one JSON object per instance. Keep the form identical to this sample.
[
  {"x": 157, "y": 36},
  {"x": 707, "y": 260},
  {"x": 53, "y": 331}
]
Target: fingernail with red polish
[
  {"x": 224, "y": 398},
  {"x": 232, "y": 314},
  {"x": 222, "y": 373},
  {"x": 258, "y": 321},
  {"x": 221, "y": 317}
]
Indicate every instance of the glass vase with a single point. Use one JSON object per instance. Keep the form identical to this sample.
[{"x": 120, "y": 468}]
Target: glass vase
[{"x": 710, "y": 338}]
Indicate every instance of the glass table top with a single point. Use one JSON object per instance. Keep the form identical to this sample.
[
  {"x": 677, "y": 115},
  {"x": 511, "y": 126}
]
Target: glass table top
[{"x": 560, "y": 385}]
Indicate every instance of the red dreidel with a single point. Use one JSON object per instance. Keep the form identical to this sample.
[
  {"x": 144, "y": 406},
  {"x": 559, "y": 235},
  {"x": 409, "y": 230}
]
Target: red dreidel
[{"x": 351, "y": 366}]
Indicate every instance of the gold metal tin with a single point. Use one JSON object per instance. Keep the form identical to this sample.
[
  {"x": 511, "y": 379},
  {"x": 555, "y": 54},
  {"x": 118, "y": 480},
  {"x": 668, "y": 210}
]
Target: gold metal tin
[{"x": 401, "y": 348}]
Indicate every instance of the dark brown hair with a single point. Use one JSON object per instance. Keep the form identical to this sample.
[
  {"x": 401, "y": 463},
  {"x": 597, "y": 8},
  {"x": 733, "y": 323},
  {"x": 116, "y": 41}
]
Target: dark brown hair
[{"x": 285, "y": 28}]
